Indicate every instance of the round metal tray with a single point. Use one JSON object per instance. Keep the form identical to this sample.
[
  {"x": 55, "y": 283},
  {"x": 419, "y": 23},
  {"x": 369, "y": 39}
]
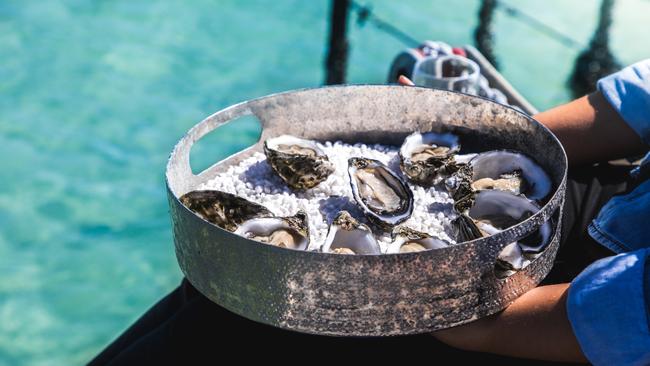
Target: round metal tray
[{"x": 363, "y": 295}]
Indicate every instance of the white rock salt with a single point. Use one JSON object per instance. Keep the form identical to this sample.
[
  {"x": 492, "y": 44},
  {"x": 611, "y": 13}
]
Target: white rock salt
[{"x": 254, "y": 180}]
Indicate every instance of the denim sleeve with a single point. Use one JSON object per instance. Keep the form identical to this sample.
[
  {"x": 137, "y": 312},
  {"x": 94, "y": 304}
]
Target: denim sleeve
[
  {"x": 628, "y": 91},
  {"x": 608, "y": 307}
]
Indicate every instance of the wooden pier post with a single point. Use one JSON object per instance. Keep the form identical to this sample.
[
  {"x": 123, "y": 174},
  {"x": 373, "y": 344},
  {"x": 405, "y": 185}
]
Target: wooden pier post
[
  {"x": 337, "y": 54},
  {"x": 597, "y": 60},
  {"x": 483, "y": 35}
]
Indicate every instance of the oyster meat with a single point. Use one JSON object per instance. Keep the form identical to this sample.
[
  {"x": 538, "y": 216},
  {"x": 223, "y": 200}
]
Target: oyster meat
[
  {"x": 284, "y": 232},
  {"x": 500, "y": 170},
  {"x": 346, "y": 235},
  {"x": 299, "y": 162},
  {"x": 223, "y": 209},
  {"x": 383, "y": 196},
  {"x": 407, "y": 240},
  {"x": 425, "y": 158}
]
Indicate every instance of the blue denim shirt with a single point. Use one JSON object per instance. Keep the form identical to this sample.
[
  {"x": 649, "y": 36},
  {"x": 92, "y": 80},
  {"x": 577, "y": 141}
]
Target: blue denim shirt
[{"x": 609, "y": 302}]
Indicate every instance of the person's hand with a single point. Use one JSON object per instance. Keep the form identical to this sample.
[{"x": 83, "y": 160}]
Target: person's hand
[
  {"x": 405, "y": 81},
  {"x": 534, "y": 326}
]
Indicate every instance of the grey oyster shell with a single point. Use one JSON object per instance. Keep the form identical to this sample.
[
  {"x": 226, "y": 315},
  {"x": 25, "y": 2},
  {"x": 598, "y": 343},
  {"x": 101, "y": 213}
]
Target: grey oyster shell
[
  {"x": 501, "y": 170},
  {"x": 346, "y": 235},
  {"x": 426, "y": 158},
  {"x": 382, "y": 195},
  {"x": 285, "y": 232},
  {"x": 299, "y": 162},
  {"x": 488, "y": 212},
  {"x": 223, "y": 209},
  {"x": 407, "y": 240}
]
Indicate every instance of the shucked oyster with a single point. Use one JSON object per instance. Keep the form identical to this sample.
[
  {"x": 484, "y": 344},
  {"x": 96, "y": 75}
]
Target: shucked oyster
[
  {"x": 384, "y": 197},
  {"x": 428, "y": 157},
  {"x": 501, "y": 170},
  {"x": 407, "y": 240},
  {"x": 284, "y": 232},
  {"x": 223, "y": 209},
  {"x": 488, "y": 212},
  {"x": 346, "y": 235},
  {"x": 300, "y": 163}
]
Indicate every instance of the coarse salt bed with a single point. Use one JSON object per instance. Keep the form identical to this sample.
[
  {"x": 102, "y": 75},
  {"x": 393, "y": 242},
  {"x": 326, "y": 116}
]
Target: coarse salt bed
[{"x": 254, "y": 179}]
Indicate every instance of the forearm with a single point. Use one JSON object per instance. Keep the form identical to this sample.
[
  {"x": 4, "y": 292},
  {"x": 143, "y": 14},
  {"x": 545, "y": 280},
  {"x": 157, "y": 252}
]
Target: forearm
[
  {"x": 535, "y": 326},
  {"x": 591, "y": 130}
]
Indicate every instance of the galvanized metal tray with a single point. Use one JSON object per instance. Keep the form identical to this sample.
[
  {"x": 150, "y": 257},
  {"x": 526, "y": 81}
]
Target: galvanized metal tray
[{"x": 364, "y": 295}]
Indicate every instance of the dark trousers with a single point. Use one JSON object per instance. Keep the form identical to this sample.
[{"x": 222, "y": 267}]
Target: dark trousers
[{"x": 187, "y": 328}]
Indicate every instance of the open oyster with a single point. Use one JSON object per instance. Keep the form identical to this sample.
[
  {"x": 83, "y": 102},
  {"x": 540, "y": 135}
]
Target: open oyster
[
  {"x": 488, "y": 212},
  {"x": 407, "y": 240},
  {"x": 223, "y": 209},
  {"x": 284, "y": 232},
  {"x": 428, "y": 157},
  {"x": 346, "y": 235},
  {"x": 384, "y": 197},
  {"x": 299, "y": 162},
  {"x": 501, "y": 170}
]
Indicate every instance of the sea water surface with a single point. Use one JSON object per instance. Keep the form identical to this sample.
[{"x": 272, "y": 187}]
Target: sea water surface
[{"x": 94, "y": 94}]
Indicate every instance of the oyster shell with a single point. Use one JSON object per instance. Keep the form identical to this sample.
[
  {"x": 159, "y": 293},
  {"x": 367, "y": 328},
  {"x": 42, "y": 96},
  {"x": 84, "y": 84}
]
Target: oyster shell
[
  {"x": 501, "y": 170},
  {"x": 510, "y": 260},
  {"x": 425, "y": 158},
  {"x": 284, "y": 232},
  {"x": 407, "y": 240},
  {"x": 488, "y": 212},
  {"x": 466, "y": 229},
  {"x": 346, "y": 235},
  {"x": 223, "y": 209},
  {"x": 299, "y": 162},
  {"x": 384, "y": 197}
]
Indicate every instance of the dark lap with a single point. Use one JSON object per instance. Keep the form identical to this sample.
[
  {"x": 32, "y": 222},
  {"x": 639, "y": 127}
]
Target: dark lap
[
  {"x": 588, "y": 189},
  {"x": 194, "y": 328},
  {"x": 186, "y": 326}
]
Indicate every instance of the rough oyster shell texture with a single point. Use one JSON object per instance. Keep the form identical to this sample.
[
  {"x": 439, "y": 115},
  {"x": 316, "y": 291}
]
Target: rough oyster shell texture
[
  {"x": 223, "y": 209},
  {"x": 425, "y": 158},
  {"x": 299, "y": 162}
]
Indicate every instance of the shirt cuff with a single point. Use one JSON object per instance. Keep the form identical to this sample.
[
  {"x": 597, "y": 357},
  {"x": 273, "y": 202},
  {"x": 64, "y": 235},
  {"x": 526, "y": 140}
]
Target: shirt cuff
[
  {"x": 608, "y": 311},
  {"x": 628, "y": 91}
]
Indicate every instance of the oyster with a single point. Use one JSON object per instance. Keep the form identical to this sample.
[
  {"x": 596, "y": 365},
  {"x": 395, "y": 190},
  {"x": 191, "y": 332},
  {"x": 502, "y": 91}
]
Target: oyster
[
  {"x": 223, "y": 209},
  {"x": 488, "y": 212},
  {"x": 466, "y": 229},
  {"x": 425, "y": 158},
  {"x": 501, "y": 170},
  {"x": 299, "y": 162},
  {"x": 284, "y": 232},
  {"x": 347, "y": 235},
  {"x": 407, "y": 240},
  {"x": 384, "y": 197},
  {"x": 510, "y": 260}
]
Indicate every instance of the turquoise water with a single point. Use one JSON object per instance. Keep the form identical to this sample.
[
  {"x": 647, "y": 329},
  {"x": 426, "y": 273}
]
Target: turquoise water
[{"x": 94, "y": 94}]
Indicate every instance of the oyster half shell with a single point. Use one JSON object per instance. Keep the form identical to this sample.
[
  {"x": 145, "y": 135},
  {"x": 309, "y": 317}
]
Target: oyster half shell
[
  {"x": 223, "y": 209},
  {"x": 426, "y": 158},
  {"x": 346, "y": 235},
  {"x": 501, "y": 170},
  {"x": 407, "y": 240},
  {"x": 284, "y": 232},
  {"x": 488, "y": 212},
  {"x": 299, "y": 162},
  {"x": 382, "y": 195}
]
